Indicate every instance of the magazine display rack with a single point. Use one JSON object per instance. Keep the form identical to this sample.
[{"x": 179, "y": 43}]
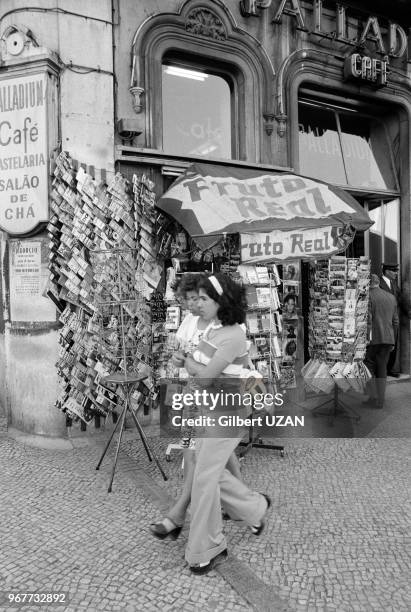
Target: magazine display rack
[
  {"x": 121, "y": 326},
  {"x": 264, "y": 329}
]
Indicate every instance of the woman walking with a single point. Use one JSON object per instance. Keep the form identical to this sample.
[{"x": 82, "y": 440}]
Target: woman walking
[
  {"x": 222, "y": 352},
  {"x": 188, "y": 336}
]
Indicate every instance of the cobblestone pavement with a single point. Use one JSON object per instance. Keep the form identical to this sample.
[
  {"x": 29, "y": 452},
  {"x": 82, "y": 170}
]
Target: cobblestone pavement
[{"x": 337, "y": 535}]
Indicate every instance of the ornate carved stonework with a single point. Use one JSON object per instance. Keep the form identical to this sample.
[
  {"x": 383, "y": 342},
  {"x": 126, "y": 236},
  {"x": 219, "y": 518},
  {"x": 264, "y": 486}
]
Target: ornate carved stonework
[
  {"x": 269, "y": 122},
  {"x": 136, "y": 93},
  {"x": 282, "y": 124},
  {"x": 203, "y": 22}
]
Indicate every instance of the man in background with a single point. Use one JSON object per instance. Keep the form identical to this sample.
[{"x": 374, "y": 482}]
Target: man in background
[
  {"x": 382, "y": 330},
  {"x": 389, "y": 283}
]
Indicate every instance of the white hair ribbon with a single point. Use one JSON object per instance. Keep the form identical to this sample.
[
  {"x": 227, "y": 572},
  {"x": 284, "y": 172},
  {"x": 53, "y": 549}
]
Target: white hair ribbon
[{"x": 216, "y": 284}]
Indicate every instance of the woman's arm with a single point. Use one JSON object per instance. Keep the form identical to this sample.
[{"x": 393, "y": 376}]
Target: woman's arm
[
  {"x": 230, "y": 343},
  {"x": 208, "y": 372}
]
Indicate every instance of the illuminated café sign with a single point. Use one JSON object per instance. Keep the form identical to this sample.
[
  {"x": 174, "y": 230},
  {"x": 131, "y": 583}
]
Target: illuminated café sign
[
  {"x": 23, "y": 153},
  {"x": 366, "y": 68},
  {"x": 395, "y": 44}
]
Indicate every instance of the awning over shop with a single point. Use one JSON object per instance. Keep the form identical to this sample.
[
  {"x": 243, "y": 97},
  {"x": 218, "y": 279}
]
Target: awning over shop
[{"x": 278, "y": 215}]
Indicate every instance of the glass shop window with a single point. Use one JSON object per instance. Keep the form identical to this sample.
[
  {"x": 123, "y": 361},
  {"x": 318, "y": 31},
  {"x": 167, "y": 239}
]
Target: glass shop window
[
  {"x": 344, "y": 147},
  {"x": 383, "y": 241},
  {"x": 391, "y": 231},
  {"x": 366, "y": 152},
  {"x": 319, "y": 144},
  {"x": 196, "y": 112},
  {"x": 375, "y": 239}
]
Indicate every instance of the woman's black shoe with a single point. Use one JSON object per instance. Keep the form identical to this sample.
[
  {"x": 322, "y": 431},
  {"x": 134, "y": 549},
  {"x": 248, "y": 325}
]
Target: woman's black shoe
[
  {"x": 160, "y": 531},
  {"x": 204, "y": 569},
  {"x": 257, "y": 529}
]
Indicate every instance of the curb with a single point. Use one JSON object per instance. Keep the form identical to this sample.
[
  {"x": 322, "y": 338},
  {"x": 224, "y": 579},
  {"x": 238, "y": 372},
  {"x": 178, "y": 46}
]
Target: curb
[{"x": 62, "y": 444}]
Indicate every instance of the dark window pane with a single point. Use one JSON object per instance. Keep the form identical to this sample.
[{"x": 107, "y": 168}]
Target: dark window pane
[
  {"x": 356, "y": 248},
  {"x": 319, "y": 146},
  {"x": 196, "y": 113},
  {"x": 366, "y": 152}
]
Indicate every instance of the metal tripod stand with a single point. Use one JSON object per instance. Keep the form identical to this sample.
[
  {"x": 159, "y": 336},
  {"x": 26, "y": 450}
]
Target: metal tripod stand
[
  {"x": 338, "y": 408},
  {"x": 257, "y": 442},
  {"x": 252, "y": 443},
  {"x": 128, "y": 382}
]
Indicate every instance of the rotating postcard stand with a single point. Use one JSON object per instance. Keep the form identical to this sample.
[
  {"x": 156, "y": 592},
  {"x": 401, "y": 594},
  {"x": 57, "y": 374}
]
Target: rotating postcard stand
[
  {"x": 124, "y": 333},
  {"x": 339, "y": 288}
]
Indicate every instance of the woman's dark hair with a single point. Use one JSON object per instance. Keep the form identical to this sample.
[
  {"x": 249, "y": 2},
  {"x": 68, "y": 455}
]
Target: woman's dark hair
[
  {"x": 185, "y": 283},
  {"x": 232, "y": 303}
]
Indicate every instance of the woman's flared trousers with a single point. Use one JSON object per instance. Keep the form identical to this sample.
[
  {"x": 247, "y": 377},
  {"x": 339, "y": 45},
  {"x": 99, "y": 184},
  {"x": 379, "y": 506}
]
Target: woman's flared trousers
[{"x": 215, "y": 487}]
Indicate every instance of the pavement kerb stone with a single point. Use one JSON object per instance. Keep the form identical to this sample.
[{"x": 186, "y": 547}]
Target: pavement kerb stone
[
  {"x": 38, "y": 441},
  {"x": 63, "y": 444}
]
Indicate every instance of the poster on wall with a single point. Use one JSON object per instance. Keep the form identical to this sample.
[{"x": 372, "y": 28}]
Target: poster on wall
[
  {"x": 23, "y": 153},
  {"x": 28, "y": 279}
]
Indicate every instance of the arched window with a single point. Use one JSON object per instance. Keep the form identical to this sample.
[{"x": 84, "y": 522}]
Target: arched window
[{"x": 218, "y": 110}]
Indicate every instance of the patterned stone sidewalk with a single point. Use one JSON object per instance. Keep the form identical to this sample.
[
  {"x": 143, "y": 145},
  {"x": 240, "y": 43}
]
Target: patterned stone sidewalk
[{"x": 337, "y": 536}]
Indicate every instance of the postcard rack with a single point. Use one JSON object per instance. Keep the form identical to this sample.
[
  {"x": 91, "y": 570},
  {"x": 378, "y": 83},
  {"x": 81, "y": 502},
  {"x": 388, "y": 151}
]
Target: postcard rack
[
  {"x": 122, "y": 326},
  {"x": 339, "y": 293}
]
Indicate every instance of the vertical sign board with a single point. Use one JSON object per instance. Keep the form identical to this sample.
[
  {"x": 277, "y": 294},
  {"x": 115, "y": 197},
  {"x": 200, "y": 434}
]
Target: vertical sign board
[
  {"x": 28, "y": 279},
  {"x": 23, "y": 153}
]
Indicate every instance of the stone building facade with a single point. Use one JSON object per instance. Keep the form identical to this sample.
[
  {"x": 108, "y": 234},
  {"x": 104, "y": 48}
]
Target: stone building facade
[{"x": 310, "y": 85}]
